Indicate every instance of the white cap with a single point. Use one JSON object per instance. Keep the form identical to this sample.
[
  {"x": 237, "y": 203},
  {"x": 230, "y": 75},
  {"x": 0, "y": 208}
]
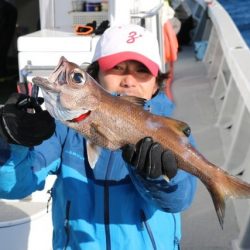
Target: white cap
[{"x": 128, "y": 42}]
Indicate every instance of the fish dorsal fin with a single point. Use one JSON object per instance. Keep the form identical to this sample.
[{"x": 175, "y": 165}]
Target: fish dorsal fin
[
  {"x": 178, "y": 126},
  {"x": 133, "y": 99}
]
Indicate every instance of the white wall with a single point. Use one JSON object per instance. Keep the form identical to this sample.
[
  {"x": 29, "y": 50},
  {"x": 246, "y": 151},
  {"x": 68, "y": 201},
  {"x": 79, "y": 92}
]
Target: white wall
[{"x": 55, "y": 13}]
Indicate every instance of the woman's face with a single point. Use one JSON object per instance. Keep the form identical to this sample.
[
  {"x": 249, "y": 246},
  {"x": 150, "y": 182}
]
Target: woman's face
[{"x": 129, "y": 78}]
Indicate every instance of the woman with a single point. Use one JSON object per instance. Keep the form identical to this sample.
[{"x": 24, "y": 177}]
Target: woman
[{"x": 122, "y": 202}]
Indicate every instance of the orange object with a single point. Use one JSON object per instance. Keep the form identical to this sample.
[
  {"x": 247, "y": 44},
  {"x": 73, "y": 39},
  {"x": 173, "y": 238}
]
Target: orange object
[
  {"x": 170, "y": 54},
  {"x": 170, "y": 43},
  {"x": 169, "y": 81},
  {"x": 83, "y": 30}
]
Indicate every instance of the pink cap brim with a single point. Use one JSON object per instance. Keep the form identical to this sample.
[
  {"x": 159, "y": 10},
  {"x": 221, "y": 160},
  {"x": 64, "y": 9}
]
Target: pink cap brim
[{"x": 108, "y": 62}]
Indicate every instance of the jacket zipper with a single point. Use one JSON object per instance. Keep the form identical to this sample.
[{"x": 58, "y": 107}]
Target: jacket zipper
[
  {"x": 66, "y": 224},
  {"x": 106, "y": 215},
  {"x": 106, "y": 204},
  {"x": 150, "y": 233}
]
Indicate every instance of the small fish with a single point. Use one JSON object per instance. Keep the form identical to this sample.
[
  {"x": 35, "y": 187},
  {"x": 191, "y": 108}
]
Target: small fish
[{"x": 76, "y": 99}]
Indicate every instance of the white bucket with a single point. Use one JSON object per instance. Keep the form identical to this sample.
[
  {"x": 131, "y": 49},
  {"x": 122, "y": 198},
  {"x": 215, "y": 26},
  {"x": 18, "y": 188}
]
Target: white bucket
[{"x": 25, "y": 225}]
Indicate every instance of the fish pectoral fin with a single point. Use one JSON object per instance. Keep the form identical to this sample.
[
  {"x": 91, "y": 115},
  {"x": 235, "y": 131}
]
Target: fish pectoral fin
[
  {"x": 133, "y": 99},
  {"x": 104, "y": 137},
  {"x": 180, "y": 127},
  {"x": 93, "y": 153}
]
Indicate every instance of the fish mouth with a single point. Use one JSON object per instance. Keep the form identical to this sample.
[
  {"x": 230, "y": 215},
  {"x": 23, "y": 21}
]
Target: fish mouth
[{"x": 45, "y": 84}]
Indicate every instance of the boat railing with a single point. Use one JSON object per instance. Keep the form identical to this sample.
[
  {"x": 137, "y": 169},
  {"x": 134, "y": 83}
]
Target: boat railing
[{"x": 227, "y": 60}]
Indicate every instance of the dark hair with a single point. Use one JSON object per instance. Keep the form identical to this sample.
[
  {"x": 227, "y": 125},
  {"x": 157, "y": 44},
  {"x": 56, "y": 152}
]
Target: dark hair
[{"x": 93, "y": 70}]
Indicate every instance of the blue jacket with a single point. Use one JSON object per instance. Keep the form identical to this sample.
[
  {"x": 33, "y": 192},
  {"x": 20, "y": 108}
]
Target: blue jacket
[{"x": 110, "y": 207}]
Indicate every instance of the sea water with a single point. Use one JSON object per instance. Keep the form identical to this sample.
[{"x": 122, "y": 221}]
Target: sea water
[{"x": 239, "y": 10}]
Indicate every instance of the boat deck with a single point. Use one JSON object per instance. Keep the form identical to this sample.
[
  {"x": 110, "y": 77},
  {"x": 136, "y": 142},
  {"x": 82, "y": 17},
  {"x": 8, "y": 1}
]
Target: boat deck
[{"x": 192, "y": 90}]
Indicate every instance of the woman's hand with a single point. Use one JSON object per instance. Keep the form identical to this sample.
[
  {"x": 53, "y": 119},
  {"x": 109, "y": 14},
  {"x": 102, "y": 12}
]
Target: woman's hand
[
  {"x": 17, "y": 126},
  {"x": 149, "y": 159}
]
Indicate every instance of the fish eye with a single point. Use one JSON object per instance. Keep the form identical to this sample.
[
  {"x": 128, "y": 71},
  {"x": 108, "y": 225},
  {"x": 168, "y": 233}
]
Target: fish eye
[{"x": 78, "y": 77}]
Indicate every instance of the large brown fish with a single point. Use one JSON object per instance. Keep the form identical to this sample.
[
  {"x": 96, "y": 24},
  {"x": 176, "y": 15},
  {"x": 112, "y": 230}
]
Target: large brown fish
[{"x": 75, "y": 98}]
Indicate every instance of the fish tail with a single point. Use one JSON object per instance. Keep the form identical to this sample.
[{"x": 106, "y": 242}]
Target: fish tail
[
  {"x": 219, "y": 203},
  {"x": 227, "y": 186}
]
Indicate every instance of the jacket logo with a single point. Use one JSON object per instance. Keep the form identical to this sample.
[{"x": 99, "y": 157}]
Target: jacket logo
[{"x": 132, "y": 36}]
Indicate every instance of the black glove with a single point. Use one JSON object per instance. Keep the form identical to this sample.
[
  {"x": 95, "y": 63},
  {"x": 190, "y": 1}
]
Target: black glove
[
  {"x": 149, "y": 159},
  {"x": 17, "y": 126}
]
